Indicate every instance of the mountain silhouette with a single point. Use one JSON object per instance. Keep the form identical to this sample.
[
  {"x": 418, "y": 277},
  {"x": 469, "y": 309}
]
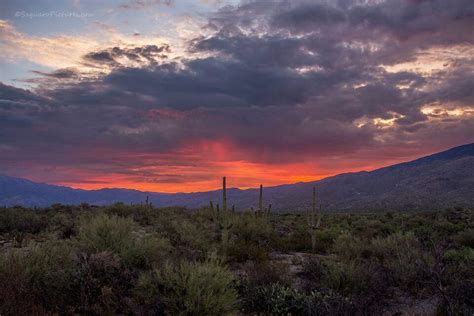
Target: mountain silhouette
[{"x": 441, "y": 180}]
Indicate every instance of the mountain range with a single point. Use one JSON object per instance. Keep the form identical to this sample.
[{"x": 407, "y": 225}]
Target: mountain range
[{"x": 438, "y": 181}]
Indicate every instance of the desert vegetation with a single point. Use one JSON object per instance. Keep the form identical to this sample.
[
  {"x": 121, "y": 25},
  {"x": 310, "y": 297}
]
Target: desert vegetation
[{"x": 137, "y": 259}]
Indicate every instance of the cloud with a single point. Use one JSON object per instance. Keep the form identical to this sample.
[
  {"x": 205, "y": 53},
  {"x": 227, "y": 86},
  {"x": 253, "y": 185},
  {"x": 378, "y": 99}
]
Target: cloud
[
  {"x": 147, "y": 54},
  {"x": 84, "y": 53},
  {"x": 59, "y": 51},
  {"x": 272, "y": 86},
  {"x": 143, "y": 4}
]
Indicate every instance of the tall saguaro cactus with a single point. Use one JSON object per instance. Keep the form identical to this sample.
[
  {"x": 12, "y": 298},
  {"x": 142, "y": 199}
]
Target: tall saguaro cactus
[
  {"x": 311, "y": 220},
  {"x": 223, "y": 220},
  {"x": 224, "y": 195},
  {"x": 262, "y": 212}
]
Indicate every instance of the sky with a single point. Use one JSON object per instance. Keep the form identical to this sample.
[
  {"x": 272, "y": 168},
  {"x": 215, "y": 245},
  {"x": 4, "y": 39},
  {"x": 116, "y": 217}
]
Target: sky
[{"x": 171, "y": 95}]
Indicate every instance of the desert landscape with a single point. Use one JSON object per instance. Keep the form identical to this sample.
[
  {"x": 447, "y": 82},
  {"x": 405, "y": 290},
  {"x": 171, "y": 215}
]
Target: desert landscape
[{"x": 237, "y": 157}]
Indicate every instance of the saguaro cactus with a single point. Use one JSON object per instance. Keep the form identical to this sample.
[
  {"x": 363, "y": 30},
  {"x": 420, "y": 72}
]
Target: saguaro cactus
[
  {"x": 311, "y": 220},
  {"x": 224, "y": 195},
  {"x": 223, "y": 219},
  {"x": 269, "y": 210},
  {"x": 262, "y": 212}
]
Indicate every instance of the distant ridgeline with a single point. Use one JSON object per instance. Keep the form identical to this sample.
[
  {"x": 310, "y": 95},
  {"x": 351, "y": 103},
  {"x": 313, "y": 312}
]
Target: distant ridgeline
[{"x": 438, "y": 181}]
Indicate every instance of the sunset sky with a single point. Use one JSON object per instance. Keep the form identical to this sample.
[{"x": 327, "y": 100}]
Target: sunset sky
[{"x": 171, "y": 95}]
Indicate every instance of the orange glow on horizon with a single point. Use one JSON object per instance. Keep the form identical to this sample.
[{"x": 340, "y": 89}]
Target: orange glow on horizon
[
  {"x": 240, "y": 174},
  {"x": 199, "y": 167}
]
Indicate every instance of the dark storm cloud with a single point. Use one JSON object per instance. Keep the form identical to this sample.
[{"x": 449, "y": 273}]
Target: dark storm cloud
[
  {"x": 409, "y": 19},
  {"x": 273, "y": 68},
  {"x": 111, "y": 56},
  {"x": 309, "y": 16},
  {"x": 143, "y": 4},
  {"x": 404, "y": 19},
  {"x": 16, "y": 94},
  {"x": 284, "y": 81},
  {"x": 66, "y": 73}
]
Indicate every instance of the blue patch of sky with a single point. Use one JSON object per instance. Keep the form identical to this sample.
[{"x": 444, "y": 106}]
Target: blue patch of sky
[{"x": 153, "y": 20}]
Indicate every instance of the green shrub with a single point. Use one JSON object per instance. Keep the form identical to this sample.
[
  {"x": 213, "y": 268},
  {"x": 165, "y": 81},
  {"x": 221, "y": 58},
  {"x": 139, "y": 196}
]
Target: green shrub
[
  {"x": 15, "y": 289},
  {"x": 398, "y": 255},
  {"x": 349, "y": 247},
  {"x": 147, "y": 294},
  {"x": 191, "y": 288},
  {"x": 325, "y": 239},
  {"x": 267, "y": 272},
  {"x": 50, "y": 268},
  {"x": 40, "y": 277},
  {"x": 312, "y": 271},
  {"x": 64, "y": 225},
  {"x": 140, "y": 213},
  {"x": 274, "y": 299},
  {"x": 103, "y": 284},
  {"x": 249, "y": 228},
  {"x": 327, "y": 302},
  {"x": 242, "y": 251},
  {"x": 192, "y": 239},
  {"x": 465, "y": 238},
  {"x": 363, "y": 282},
  {"x": 22, "y": 220},
  {"x": 345, "y": 278},
  {"x": 402, "y": 257},
  {"x": 458, "y": 256},
  {"x": 294, "y": 238},
  {"x": 394, "y": 247},
  {"x": 251, "y": 238},
  {"x": 123, "y": 237}
]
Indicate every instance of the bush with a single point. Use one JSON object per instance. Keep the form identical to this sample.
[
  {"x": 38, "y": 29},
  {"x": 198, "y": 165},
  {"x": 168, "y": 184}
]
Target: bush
[
  {"x": 325, "y": 240},
  {"x": 191, "y": 288},
  {"x": 140, "y": 260},
  {"x": 363, "y": 282},
  {"x": 402, "y": 257},
  {"x": 326, "y": 302},
  {"x": 458, "y": 256},
  {"x": 40, "y": 277},
  {"x": 313, "y": 271},
  {"x": 264, "y": 273},
  {"x": 123, "y": 237},
  {"x": 274, "y": 299},
  {"x": 15, "y": 289},
  {"x": 191, "y": 239},
  {"x": 22, "y": 220},
  {"x": 64, "y": 225},
  {"x": 398, "y": 255},
  {"x": 349, "y": 247},
  {"x": 251, "y": 239},
  {"x": 103, "y": 284},
  {"x": 140, "y": 213},
  {"x": 50, "y": 268},
  {"x": 465, "y": 238}
]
